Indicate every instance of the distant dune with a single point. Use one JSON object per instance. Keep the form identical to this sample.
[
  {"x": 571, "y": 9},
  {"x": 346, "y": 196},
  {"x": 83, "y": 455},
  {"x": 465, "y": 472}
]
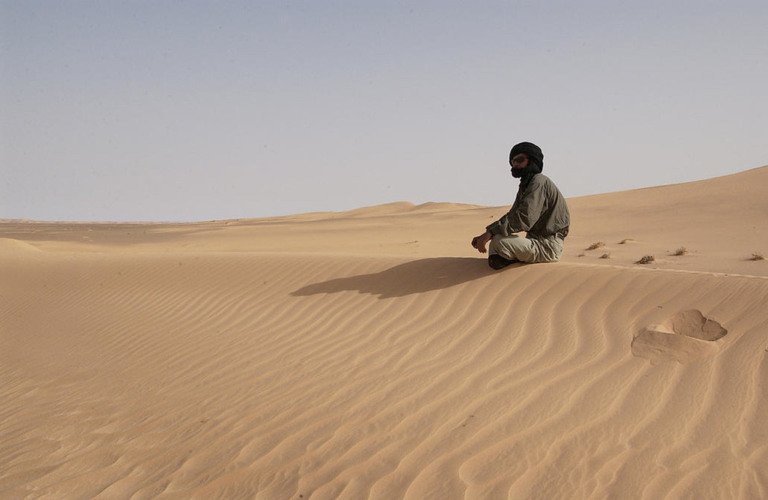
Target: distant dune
[{"x": 373, "y": 354}]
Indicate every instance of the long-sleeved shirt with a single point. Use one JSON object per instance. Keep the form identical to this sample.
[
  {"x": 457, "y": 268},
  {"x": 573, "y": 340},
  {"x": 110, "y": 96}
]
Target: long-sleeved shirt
[{"x": 539, "y": 209}]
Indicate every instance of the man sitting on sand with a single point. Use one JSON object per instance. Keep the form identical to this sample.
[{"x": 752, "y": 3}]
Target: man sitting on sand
[{"x": 539, "y": 209}]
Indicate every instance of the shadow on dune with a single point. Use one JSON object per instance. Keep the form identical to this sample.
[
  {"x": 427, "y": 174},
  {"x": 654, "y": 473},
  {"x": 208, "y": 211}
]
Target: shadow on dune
[{"x": 417, "y": 276}]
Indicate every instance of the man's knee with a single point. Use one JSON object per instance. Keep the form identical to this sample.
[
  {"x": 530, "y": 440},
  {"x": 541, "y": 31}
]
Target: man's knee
[{"x": 514, "y": 248}]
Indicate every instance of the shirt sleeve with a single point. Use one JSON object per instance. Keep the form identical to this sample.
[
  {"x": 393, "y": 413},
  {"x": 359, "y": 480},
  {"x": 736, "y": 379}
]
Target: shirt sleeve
[{"x": 525, "y": 212}]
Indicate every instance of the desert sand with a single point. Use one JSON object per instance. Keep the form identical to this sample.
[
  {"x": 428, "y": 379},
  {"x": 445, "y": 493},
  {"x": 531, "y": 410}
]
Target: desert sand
[{"x": 373, "y": 354}]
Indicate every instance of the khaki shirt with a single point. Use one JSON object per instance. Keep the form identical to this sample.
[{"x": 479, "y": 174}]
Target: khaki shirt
[{"x": 539, "y": 209}]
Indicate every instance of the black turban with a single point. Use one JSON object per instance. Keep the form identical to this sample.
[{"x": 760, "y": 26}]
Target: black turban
[{"x": 531, "y": 150}]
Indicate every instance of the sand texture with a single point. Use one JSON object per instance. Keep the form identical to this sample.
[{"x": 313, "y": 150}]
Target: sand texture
[{"x": 373, "y": 354}]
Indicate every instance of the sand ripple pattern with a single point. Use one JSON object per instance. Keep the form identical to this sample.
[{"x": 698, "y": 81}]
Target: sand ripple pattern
[{"x": 276, "y": 377}]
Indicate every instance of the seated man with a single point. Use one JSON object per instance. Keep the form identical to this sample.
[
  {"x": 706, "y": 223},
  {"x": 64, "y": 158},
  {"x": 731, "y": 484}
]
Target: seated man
[{"x": 539, "y": 210}]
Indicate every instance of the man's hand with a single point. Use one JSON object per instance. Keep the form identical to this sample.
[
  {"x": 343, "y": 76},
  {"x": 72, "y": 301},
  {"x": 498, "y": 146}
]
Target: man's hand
[{"x": 481, "y": 241}]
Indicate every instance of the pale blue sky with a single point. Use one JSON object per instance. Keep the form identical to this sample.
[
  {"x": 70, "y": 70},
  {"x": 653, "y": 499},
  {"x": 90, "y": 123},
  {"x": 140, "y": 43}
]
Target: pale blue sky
[{"x": 197, "y": 110}]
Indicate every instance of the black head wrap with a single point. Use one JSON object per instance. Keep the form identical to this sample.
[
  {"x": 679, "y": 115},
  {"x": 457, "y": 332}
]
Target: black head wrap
[{"x": 535, "y": 157}]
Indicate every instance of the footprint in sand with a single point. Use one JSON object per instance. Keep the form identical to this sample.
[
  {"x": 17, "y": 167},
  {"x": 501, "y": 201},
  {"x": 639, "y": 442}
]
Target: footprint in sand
[{"x": 686, "y": 336}]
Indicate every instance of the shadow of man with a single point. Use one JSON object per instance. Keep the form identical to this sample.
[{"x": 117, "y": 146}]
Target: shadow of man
[{"x": 417, "y": 276}]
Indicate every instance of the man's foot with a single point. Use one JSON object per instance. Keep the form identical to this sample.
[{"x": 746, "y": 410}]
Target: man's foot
[{"x": 497, "y": 262}]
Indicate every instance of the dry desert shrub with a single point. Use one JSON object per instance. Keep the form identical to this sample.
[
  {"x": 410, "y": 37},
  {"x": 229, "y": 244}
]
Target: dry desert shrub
[
  {"x": 757, "y": 256},
  {"x": 595, "y": 246},
  {"x": 680, "y": 251},
  {"x": 647, "y": 259},
  {"x": 605, "y": 256},
  {"x": 625, "y": 241}
]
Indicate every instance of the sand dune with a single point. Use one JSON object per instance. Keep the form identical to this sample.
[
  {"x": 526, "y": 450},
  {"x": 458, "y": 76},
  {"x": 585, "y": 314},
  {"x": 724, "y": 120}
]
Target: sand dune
[{"x": 372, "y": 354}]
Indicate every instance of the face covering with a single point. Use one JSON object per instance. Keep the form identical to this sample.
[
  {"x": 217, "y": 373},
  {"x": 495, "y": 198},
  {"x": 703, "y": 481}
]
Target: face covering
[
  {"x": 520, "y": 172},
  {"x": 533, "y": 167}
]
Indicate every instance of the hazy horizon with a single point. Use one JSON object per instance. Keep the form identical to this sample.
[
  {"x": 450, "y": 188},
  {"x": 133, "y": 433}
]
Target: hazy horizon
[{"x": 187, "y": 111}]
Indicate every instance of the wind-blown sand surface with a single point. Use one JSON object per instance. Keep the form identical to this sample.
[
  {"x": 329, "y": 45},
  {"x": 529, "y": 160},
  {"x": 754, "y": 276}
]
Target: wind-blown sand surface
[{"x": 373, "y": 354}]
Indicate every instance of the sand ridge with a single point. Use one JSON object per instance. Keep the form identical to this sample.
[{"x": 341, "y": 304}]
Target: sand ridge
[{"x": 206, "y": 360}]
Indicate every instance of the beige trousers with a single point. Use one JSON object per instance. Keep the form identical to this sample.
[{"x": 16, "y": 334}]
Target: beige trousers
[{"x": 528, "y": 250}]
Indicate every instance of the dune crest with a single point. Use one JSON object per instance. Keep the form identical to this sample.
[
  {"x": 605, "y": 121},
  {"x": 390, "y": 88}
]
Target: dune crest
[{"x": 326, "y": 356}]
